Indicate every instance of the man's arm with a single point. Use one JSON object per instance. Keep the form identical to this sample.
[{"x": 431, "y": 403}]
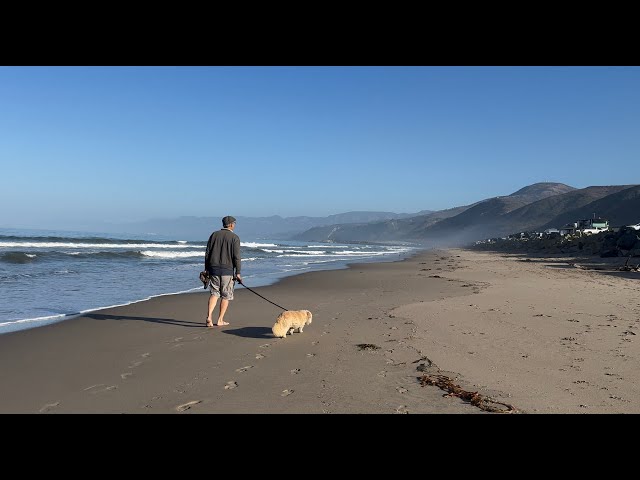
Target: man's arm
[
  {"x": 236, "y": 257},
  {"x": 206, "y": 253}
]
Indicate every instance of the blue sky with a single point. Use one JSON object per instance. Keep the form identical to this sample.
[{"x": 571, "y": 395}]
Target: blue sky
[{"x": 120, "y": 144}]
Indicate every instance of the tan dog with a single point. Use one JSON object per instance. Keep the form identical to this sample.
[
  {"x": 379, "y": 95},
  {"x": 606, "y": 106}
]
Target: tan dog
[{"x": 290, "y": 321}]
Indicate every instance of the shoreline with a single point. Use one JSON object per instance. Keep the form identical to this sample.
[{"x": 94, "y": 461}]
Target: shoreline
[
  {"x": 51, "y": 319},
  {"x": 539, "y": 335},
  {"x": 17, "y": 325}
]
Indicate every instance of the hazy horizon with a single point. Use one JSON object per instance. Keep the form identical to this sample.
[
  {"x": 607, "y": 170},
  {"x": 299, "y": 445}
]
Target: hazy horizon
[{"x": 120, "y": 227}]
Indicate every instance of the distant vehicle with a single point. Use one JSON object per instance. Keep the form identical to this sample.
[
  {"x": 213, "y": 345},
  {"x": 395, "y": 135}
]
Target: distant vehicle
[
  {"x": 592, "y": 226},
  {"x": 635, "y": 227}
]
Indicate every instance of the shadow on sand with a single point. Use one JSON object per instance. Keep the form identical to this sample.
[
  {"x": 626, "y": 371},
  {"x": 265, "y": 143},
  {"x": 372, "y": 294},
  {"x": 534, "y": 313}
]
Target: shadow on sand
[
  {"x": 170, "y": 321},
  {"x": 251, "y": 332}
]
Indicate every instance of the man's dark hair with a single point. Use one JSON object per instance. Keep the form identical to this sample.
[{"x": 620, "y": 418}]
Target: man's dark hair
[{"x": 228, "y": 220}]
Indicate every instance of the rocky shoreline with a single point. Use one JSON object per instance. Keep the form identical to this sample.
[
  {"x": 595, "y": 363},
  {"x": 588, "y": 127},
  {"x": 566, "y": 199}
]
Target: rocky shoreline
[{"x": 623, "y": 243}]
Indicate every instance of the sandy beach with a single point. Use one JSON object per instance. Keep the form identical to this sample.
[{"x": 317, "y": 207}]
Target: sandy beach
[{"x": 537, "y": 334}]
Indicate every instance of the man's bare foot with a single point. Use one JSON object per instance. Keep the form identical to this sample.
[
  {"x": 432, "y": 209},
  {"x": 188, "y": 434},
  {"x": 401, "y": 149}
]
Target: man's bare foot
[
  {"x": 209, "y": 323},
  {"x": 221, "y": 324}
]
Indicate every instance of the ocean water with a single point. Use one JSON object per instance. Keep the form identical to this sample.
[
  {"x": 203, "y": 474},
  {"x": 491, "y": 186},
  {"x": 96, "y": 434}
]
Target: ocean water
[{"x": 50, "y": 276}]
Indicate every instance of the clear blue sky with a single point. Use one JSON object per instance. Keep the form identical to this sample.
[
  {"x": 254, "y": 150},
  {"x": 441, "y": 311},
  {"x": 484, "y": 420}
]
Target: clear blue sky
[{"x": 133, "y": 143}]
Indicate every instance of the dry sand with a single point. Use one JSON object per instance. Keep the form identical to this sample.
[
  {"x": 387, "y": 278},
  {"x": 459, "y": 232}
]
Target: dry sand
[
  {"x": 538, "y": 335},
  {"x": 541, "y": 334}
]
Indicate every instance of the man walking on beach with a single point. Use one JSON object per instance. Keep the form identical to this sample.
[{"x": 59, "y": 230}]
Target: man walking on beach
[{"x": 222, "y": 261}]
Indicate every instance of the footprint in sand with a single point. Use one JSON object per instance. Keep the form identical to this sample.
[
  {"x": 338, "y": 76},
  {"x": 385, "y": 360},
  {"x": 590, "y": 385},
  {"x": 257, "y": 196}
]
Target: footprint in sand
[
  {"x": 177, "y": 345},
  {"x": 311, "y": 354},
  {"x": 135, "y": 364},
  {"x": 286, "y": 393},
  {"x": 125, "y": 375},
  {"x": 187, "y": 406},
  {"x": 315, "y": 343},
  {"x": 382, "y": 374},
  {"x": 266, "y": 345},
  {"x": 145, "y": 355},
  {"x": 99, "y": 388},
  {"x": 614, "y": 397},
  {"x": 295, "y": 371},
  {"x": 259, "y": 356},
  {"x": 94, "y": 386},
  {"x": 401, "y": 390},
  {"x": 402, "y": 409},
  {"x": 244, "y": 369},
  {"x": 230, "y": 385},
  {"x": 48, "y": 407}
]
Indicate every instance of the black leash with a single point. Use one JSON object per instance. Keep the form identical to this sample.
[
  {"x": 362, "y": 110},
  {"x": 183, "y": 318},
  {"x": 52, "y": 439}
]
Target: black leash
[{"x": 285, "y": 309}]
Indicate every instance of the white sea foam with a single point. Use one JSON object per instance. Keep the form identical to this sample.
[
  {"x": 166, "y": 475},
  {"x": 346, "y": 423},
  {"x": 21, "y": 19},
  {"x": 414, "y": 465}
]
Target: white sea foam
[
  {"x": 295, "y": 269},
  {"x": 305, "y": 252},
  {"x": 30, "y": 320},
  {"x": 152, "y": 253},
  {"x": 336, "y": 254},
  {"x": 257, "y": 245},
  {"x": 317, "y": 261},
  {"x": 327, "y": 246},
  {"x": 90, "y": 245},
  {"x": 353, "y": 252}
]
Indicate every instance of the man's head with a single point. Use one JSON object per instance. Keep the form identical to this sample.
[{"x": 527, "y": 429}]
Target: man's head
[{"x": 228, "y": 221}]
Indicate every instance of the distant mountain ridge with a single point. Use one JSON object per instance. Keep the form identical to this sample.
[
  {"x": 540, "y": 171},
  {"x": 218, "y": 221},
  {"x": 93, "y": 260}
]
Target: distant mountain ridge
[
  {"x": 534, "y": 207},
  {"x": 621, "y": 207},
  {"x": 540, "y": 190},
  {"x": 273, "y": 227}
]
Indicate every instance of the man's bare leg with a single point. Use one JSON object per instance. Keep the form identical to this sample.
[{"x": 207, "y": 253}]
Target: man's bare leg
[
  {"x": 212, "y": 305},
  {"x": 224, "y": 303}
]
